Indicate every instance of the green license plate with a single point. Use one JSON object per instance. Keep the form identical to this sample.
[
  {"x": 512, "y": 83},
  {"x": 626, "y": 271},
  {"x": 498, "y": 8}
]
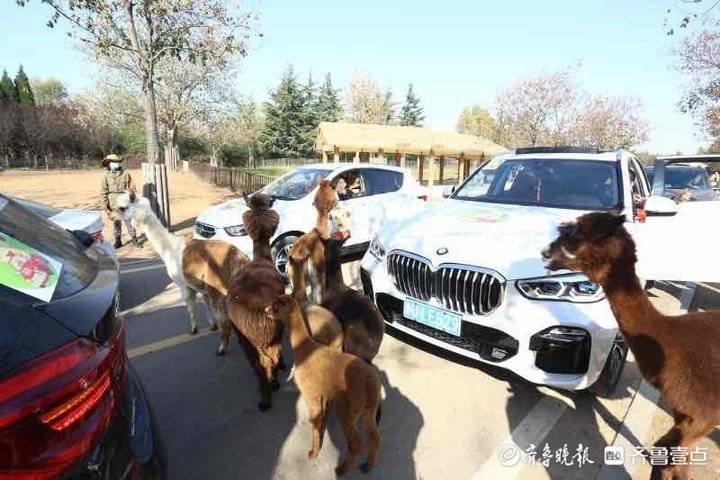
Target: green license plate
[{"x": 433, "y": 317}]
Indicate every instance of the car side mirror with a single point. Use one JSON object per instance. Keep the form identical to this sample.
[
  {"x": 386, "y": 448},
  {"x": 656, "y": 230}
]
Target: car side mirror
[
  {"x": 659, "y": 206},
  {"x": 449, "y": 190}
]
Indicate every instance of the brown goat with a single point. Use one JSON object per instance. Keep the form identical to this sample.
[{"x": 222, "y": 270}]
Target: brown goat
[
  {"x": 308, "y": 250},
  {"x": 253, "y": 288},
  {"x": 677, "y": 354},
  {"x": 326, "y": 377},
  {"x": 208, "y": 266},
  {"x": 363, "y": 325}
]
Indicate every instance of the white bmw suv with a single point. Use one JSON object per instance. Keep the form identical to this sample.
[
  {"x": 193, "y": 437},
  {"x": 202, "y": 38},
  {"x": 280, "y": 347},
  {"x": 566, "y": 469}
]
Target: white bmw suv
[
  {"x": 378, "y": 195},
  {"x": 467, "y": 275}
]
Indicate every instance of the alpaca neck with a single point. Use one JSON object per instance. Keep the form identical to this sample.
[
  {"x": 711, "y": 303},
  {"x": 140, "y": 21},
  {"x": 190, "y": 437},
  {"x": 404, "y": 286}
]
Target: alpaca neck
[
  {"x": 261, "y": 249},
  {"x": 300, "y": 340},
  {"x": 155, "y": 232},
  {"x": 299, "y": 292},
  {"x": 322, "y": 225},
  {"x": 333, "y": 274},
  {"x": 628, "y": 300}
]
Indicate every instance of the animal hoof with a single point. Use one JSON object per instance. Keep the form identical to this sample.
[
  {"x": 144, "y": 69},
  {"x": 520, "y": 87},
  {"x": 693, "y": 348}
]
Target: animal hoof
[
  {"x": 220, "y": 352},
  {"x": 213, "y": 326},
  {"x": 264, "y": 406},
  {"x": 193, "y": 330},
  {"x": 366, "y": 467},
  {"x": 340, "y": 470},
  {"x": 312, "y": 454}
]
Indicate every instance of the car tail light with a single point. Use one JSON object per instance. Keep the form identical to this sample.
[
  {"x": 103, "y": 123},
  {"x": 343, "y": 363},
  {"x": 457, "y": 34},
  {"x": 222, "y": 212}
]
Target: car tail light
[
  {"x": 58, "y": 406},
  {"x": 423, "y": 197},
  {"x": 97, "y": 236}
]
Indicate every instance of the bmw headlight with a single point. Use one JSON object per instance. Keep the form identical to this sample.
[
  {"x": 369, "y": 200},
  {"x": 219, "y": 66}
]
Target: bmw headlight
[
  {"x": 376, "y": 249},
  {"x": 235, "y": 231},
  {"x": 574, "y": 288}
]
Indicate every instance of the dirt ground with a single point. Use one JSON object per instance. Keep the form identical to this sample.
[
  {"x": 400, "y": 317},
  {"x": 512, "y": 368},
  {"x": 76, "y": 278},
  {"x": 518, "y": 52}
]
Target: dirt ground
[{"x": 189, "y": 196}]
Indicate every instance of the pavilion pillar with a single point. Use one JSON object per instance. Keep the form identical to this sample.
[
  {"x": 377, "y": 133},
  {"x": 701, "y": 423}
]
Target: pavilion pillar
[
  {"x": 396, "y": 159},
  {"x": 336, "y": 155},
  {"x": 402, "y": 160},
  {"x": 442, "y": 168},
  {"x": 324, "y": 156},
  {"x": 356, "y": 158},
  {"x": 421, "y": 161},
  {"x": 431, "y": 171},
  {"x": 381, "y": 156},
  {"x": 462, "y": 163}
]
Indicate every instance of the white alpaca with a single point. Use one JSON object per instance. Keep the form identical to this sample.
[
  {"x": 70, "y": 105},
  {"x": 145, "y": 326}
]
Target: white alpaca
[{"x": 200, "y": 266}]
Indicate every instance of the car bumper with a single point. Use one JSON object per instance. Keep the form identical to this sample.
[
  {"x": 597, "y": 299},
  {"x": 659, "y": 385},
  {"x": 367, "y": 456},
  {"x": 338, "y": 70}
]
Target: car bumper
[
  {"x": 131, "y": 447},
  {"x": 516, "y": 336}
]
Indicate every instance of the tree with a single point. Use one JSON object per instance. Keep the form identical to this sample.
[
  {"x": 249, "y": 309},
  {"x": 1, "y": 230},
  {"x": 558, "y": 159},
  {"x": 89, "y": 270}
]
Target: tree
[
  {"x": 49, "y": 91},
  {"x": 144, "y": 32},
  {"x": 286, "y": 132},
  {"x": 25, "y": 95},
  {"x": 610, "y": 122},
  {"x": 411, "y": 112},
  {"x": 7, "y": 88},
  {"x": 475, "y": 120},
  {"x": 328, "y": 102},
  {"x": 365, "y": 103}
]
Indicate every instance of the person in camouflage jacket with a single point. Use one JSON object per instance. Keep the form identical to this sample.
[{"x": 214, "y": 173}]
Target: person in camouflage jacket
[{"x": 115, "y": 181}]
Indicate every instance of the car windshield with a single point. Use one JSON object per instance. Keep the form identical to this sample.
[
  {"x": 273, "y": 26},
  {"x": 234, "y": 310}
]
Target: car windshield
[
  {"x": 681, "y": 178},
  {"x": 556, "y": 183},
  {"x": 295, "y": 185},
  {"x": 20, "y": 267}
]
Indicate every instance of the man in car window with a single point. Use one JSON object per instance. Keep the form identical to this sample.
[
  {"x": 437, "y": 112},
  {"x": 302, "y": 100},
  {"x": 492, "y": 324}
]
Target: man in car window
[
  {"x": 341, "y": 189},
  {"x": 115, "y": 181}
]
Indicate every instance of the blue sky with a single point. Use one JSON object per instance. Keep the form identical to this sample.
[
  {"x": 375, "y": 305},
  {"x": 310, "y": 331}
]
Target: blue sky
[{"x": 455, "y": 52}]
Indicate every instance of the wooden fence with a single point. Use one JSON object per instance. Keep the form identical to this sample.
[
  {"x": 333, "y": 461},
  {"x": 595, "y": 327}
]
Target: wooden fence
[
  {"x": 233, "y": 178},
  {"x": 65, "y": 163}
]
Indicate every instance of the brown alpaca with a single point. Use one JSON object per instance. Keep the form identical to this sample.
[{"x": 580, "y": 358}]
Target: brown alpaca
[
  {"x": 208, "y": 266},
  {"x": 253, "y": 288},
  {"x": 308, "y": 250},
  {"x": 363, "y": 325},
  {"x": 324, "y": 327},
  {"x": 326, "y": 377},
  {"x": 677, "y": 354}
]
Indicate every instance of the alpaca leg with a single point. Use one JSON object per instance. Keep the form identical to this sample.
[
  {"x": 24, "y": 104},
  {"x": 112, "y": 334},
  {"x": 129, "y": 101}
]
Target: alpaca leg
[
  {"x": 317, "y": 408},
  {"x": 224, "y": 334},
  {"x": 369, "y": 420},
  {"x": 190, "y": 298},
  {"x": 270, "y": 357},
  {"x": 254, "y": 357},
  {"x": 348, "y": 421},
  {"x": 684, "y": 433}
]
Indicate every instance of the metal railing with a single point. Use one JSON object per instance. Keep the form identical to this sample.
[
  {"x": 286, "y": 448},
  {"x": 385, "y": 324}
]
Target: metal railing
[{"x": 235, "y": 179}]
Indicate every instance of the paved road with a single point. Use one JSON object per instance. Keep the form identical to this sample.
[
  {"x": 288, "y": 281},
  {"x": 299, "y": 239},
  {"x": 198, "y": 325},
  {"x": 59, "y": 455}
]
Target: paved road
[{"x": 443, "y": 418}]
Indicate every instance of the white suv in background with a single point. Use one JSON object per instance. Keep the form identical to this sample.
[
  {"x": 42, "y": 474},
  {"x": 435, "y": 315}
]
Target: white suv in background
[
  {"x": 467, "y": 275},
  {"x": 380, "y": 194}
]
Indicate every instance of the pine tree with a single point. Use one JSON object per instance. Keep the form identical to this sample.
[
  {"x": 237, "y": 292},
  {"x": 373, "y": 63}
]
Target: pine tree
[
  {"x": 412, "y": 112},
  {"x": 286, "y": 132},
  {"x": 328, "y": 102},
  {"x": 7, "y": 88},
  {"x": 310, "y": 111},
  {"x": 24, "y": 92}
]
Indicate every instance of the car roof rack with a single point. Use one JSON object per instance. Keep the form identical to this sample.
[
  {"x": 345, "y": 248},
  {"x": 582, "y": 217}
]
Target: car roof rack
[{"x": 565, "y": 149}]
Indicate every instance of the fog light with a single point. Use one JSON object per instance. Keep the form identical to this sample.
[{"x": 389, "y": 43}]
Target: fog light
[{"x": 498, "y": 353}]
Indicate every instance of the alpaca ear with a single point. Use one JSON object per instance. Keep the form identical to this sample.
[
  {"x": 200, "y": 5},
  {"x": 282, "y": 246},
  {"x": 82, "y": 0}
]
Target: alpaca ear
[
  {"x": 608, "y": 224},
  {"x": 133, "y": 197}
]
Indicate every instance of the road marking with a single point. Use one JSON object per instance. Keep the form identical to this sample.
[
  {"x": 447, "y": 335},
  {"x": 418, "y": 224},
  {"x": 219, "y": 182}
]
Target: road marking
[
  {"x": 536, "y": 425},
  {"x": 638, "y": 422},
  {"x": 166, "y": 343},
  {"x": 154, "y": 266}
]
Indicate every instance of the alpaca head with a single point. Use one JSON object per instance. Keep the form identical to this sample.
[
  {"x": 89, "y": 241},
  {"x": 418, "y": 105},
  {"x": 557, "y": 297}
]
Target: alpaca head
[
  {"x": 258, "y": 202},
  {"x": 281, "y": 308},
  {"x": 339, "y": 223},
  {"x": 325, "y": 198},
  {"x": 592, "y": 244},
  {"x": 135, "y": 209}
]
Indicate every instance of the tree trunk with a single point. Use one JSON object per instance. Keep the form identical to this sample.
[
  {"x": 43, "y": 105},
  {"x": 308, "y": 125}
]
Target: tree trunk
[
  {"x": 172, "y": 150},
  {"x": 151, "y": 130}
]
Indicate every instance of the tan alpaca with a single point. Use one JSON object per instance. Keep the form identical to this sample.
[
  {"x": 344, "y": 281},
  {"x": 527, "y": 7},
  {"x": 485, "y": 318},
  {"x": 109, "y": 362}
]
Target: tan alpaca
[
  {"x": 208, "y": 266},
  {"x": 308, "y": 250},
  {"x": 679, "y": 355},
  {"x": 324, "y": 327},
  {"x": 326, "y": 377}
]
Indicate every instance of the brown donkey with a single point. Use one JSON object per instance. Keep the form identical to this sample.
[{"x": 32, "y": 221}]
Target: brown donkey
[
  {"x": 256, "y": 285},
  {"x": 679, "y": 355},
  {"x": 326, "y": 377}
]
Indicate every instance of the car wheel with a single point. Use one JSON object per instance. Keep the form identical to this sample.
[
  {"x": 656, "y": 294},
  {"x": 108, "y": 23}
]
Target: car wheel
[
  {"x": 612, "y": 371},
  {"x": 279, "y": 252}
]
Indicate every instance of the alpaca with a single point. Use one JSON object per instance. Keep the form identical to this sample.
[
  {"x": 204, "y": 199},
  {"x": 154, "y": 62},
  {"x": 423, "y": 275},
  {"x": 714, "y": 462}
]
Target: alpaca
[
  {"x": 198, "y": 266},
  {"x": 363, "y": 325},
  {"x": 326, "y": 377},
  {"x": 254, "y": 287},
  {"x": 308, "y": 249},
  {"x": 324, "y": 327},
  {"x": 676, "y": 354}
]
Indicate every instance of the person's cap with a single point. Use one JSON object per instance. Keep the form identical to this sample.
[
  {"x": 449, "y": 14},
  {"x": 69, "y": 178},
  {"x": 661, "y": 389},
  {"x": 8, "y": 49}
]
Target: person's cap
[{"x": 111, "y": 158}]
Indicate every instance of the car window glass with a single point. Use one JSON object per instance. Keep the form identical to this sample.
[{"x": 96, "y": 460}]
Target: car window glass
[
  {"x": 354, "y": 186},
  {"x": 379, "y": 181},
  {"x": 77, "y": 270},
  {"x": 296, "y": 184},
  {"x": 636, "y": 185}
]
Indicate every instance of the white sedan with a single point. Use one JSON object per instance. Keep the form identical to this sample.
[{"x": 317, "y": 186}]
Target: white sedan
[{"x": 378, "y": 194}]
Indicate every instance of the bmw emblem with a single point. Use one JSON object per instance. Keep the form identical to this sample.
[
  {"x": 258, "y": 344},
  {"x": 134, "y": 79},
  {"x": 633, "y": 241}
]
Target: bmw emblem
[{"x": 441, "y": 251}]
